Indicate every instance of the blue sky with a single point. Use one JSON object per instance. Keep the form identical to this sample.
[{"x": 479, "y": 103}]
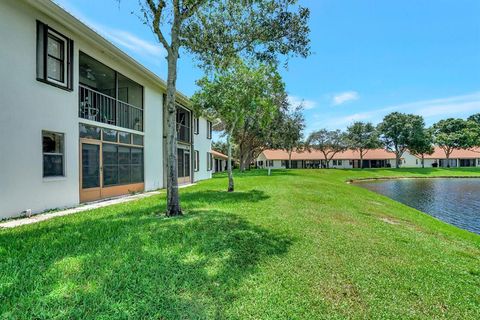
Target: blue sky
[{"x": 369, "y": 57}]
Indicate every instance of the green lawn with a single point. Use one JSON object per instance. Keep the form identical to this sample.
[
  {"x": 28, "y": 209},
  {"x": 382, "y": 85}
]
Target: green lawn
[{"x": 300, "y": 244}]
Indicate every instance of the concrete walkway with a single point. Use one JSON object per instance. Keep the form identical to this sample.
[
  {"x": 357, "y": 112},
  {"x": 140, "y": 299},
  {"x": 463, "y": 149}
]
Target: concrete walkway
[{"x": 84, "y": 207}]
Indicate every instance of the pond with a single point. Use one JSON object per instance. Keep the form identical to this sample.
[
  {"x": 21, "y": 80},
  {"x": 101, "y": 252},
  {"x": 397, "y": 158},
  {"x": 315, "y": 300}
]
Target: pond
[{"x": 455, "y": 201}]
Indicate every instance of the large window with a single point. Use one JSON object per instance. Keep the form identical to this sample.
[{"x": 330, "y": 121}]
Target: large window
[
  {"x": 97, "y": 76},
  {"x": 183, "y": 125},
  {"x": 54, "y": 57},
  {"x": 122, "y": 165},
  {"x": 53, "y": 154},
  {"x": 122, "y": 155},
  {"x": 109, "y": 97}
]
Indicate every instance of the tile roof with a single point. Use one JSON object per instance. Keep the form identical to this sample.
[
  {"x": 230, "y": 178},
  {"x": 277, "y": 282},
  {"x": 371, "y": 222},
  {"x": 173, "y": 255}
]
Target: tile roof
[
  {"x": 217, "y": 154},
  {"x": 374, "y": 154},
  {"x": 456, "y": 154}
]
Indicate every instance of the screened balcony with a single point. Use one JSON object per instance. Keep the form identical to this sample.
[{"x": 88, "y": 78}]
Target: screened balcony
[
  {"x": 183, "y": 125},
  {"x": 109, "y": 97}
]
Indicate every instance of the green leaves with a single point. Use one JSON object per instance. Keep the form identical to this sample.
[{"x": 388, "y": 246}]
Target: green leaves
[
  {"x": 220, "y": 31},
  {"x": 362, "y": 136},
  {"x": 453, "y": 133},
  {"x": 240, "y": 94}
]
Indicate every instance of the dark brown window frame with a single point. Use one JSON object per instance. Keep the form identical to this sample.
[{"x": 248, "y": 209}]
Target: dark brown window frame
[
  {"x": 209, "y": 129},
  {"x": 196, "y": 125},
  {"x": 196, "y": 163},
  {"x": 209, "y": 161},
  {"x": 62, "y": 154},
  {"x": 43, "y": 32}
]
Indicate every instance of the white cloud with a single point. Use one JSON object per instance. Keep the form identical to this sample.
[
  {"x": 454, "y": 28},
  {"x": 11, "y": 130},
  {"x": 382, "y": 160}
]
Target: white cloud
[
  {"x": 307, "y": 104},
  {"x": 431, "y": 110},
  {"x": 127, "y": 40},
  {"x": 344, "y": 97},
  {"x": 124, "y": 39}
]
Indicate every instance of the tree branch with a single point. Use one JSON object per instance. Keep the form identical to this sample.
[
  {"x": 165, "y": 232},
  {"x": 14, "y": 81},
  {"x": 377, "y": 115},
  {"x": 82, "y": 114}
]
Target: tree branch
[{"x": 157, "y": 15}]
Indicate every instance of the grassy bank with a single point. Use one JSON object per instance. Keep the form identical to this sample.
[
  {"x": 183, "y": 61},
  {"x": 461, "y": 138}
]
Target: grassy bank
[{"x": 300, "y": 244}]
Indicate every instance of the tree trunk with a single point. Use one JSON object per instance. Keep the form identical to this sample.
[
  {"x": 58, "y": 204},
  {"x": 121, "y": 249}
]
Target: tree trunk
[
  {"x": 423, "y": 161},
  {"x": 361, "y": 160},
  {"x": 241, "y": 152},
  {"x": 173, "y": 200},
  {"x": 397, "y": 159},
  {"x": 290, "y": 160},
  {"x": 249, "y": 160},
  {"x": 231, "y": 186}
]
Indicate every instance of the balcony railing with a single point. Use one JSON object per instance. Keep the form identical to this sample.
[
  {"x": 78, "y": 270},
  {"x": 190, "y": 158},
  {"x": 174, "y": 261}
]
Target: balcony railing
[
  {"x": 96, "y": 106},
  {"x": 183, "y": 133}
]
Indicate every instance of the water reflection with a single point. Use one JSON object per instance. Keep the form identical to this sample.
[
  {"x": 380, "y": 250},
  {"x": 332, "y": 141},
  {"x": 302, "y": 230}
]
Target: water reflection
[{"x": 456, "y": 201}]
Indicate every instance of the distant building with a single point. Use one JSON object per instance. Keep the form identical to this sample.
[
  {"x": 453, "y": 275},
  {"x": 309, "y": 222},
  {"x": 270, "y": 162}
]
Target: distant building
[
  {"x": 375, "y": 158},
  {"x": 219, "y": 161}
]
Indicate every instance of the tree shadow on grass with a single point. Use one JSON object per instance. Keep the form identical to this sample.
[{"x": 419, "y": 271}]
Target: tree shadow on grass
[
  {"x": 131, "y": 265},
  {"x": 258, "y": 173},
  {"x": 196, "y": 199}
]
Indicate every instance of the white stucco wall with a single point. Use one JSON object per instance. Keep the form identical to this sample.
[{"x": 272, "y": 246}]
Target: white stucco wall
[
  {"x": 29, "y": 106},
  {"x": 203, "y": 145},
  {"x": 153, "y": 139}
]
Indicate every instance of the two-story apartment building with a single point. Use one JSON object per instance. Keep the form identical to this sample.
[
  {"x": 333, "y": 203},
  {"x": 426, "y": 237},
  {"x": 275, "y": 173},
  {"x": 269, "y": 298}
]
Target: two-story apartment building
[{"x": 81, "y": 120}]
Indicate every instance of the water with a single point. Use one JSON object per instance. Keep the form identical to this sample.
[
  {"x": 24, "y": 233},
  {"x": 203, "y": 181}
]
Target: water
[{"x": 455, "y": 201}]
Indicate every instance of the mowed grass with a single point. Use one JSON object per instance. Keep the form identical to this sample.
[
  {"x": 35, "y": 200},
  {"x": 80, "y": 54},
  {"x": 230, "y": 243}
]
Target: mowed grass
[{"x": 300, "y": 244}]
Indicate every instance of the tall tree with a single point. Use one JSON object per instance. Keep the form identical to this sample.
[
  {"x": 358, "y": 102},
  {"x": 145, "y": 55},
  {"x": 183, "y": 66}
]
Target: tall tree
[
  {"x": 423, "y": 145},
  {"x": 475, "y": 118},
  {"x": 217, "y": 32},
  {"x": 220, "y": 146},
  {"x": 327, "y": 142},
  {"x": 451, "y": 134},
  {"x": 238, "y": 95},
  {"x": 290, "y": 131},
  {"x": 362, "y": 137},
  {"x": 475, "y": 125},
  {"x": 398, "y": 131}
]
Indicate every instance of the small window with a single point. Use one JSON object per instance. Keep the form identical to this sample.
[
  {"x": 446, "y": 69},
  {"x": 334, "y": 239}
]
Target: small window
[
  {"x": 209, "y": 161},
  {"x": 137, "y": 140},
  {"x": 53, "y": 154},
  {"x": 54, "y": 57},
  {"x": 125, "y": 137},
  {"x": 196, "y": 161},
  {"x": 109, "y": 135},
  {"x": 270, "y": 163},
  {"x": 89, "y": 132},
  {"x": 284, "y": 163},
  {"x": 209, "y": 130},
  {"x": 196, "y": 124}
]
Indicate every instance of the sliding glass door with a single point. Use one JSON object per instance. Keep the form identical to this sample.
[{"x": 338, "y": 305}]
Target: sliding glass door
[{"x": 183, "y": 164}]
